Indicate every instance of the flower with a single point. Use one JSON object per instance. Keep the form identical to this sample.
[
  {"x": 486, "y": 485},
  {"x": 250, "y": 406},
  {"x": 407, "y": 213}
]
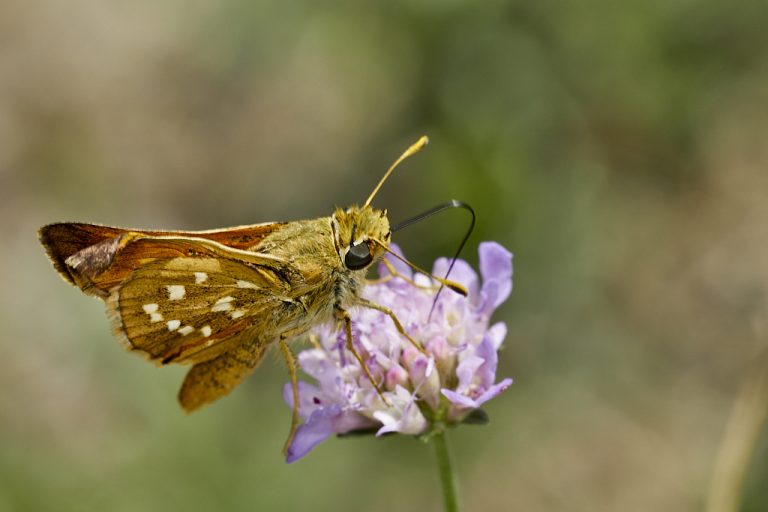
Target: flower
[{"x": 420, "y": 390}]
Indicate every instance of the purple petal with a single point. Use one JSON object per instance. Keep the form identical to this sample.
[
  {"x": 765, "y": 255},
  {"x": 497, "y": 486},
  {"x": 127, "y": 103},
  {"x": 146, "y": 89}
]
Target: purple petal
[
  {"x": 467, "y": 369},
  {"x": 288, "y": 394},
  {"x": 395, "y": 376},
  {"x": 420, "y": 369},
  {"x": 349, "y": 421},
  {"x": 425, "y": 380},
  {"x": 461, "y": 272},
  {"x": 497, "y": 332},
  {"x": 496, "y": 269},
  {"x": 317, "y": 364},
  {"x": 316, "y": 430},
  {"x": 487, "y": 371},
  {"x": 402, "y": 416},
  {"x": 391, "y": 423},
  {"x": 310, "y": 398},
  {"x": 458, "y": 398},
  {"x": 467, "y": 402},
  {"x": 493, "y": 391}
]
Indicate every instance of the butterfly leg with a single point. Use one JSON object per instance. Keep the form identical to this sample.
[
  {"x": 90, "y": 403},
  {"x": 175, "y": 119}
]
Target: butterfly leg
[
  {"x": 290, "y": 361},
  {"x": 350, "y": 346},
  {"x": 381, "y": 280},
  {"x": 387, "y": 278},
  {"x": 315, "y": 341},
  {"x": 391, "y": 314}
]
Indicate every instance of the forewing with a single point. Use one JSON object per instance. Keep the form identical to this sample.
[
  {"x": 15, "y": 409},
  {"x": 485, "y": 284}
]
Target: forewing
[
  {"x": 99, "y": 268},
  {"x": 191, "y": 309},
  {"x": 83, "y": 252}
]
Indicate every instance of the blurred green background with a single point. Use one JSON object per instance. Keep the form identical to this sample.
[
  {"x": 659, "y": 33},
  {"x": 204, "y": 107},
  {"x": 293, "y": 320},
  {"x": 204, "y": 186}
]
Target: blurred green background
[{"x": 619, "y": 149}]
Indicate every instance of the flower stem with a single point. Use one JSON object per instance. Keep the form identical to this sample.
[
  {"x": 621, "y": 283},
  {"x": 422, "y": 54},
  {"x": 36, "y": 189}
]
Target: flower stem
[{"x": 445, "y": 468}]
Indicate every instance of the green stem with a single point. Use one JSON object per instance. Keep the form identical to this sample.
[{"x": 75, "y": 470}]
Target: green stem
[{"x": 445, "y": 468}]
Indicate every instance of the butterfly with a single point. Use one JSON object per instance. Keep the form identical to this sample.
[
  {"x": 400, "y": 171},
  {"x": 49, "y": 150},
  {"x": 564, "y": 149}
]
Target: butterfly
[{"x": 218, "y": 299}]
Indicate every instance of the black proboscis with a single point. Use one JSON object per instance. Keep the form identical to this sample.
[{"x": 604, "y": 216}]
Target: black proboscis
[{"x": 453, "y": 203}]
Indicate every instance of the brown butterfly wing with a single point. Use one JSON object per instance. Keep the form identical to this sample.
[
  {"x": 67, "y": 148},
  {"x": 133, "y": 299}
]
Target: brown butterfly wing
[
  {"x": 207, "y": 381},
  {"x": 97, "y": 244},
  {"x": 198, "y": 298},
  {"x": 191, "y": 309},
  {"x": 97, "y": 268}
]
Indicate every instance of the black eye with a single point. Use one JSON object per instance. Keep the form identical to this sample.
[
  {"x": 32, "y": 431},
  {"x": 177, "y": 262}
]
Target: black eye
[{"x": 358, "y": 256}]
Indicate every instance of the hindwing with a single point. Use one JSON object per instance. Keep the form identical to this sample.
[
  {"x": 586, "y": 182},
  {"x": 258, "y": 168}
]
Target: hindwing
[{"x": 190, "y": 309}]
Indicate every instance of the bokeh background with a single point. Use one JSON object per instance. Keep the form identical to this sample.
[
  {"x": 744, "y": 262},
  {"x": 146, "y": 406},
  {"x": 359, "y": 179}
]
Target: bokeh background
[{"x": 617, "y": 148}]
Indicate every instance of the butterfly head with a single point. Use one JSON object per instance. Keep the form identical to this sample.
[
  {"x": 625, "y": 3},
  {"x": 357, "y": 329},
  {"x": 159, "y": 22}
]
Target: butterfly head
[
  {"x": 361, "y": 234},
  {"x": 358, "y": 235}
]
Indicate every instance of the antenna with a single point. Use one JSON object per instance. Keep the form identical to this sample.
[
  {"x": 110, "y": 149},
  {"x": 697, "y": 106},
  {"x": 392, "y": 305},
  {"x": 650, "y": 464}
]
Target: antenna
[{"x": 414, "y": 148}]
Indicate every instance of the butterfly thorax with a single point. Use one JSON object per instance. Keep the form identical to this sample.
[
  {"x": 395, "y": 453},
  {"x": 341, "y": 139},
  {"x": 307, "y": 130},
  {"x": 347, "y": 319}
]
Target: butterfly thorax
[{"x": 317, "y": 254}]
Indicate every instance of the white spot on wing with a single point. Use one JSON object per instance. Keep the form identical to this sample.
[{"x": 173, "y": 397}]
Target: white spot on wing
[
  {"x": 173, "y": 324},
  {"x": 223, "y": 304},
  {"x": 200, "y": 277},
  {"x": 245, "y": 284},
  {"x": 151, "y": 310},
  {"x": 186, "y": 330},
  {"x": 176, "y": 291},
  {"x": 237, "y": 314},
  {"x": 206, "y": 331}
]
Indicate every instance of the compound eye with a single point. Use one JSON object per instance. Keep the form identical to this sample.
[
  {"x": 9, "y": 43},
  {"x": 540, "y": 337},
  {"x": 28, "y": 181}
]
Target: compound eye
[{"x": 358, "y": 256}]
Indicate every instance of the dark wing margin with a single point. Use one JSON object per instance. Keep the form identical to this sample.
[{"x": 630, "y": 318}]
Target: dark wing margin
[{"x": 66, "y": 239}]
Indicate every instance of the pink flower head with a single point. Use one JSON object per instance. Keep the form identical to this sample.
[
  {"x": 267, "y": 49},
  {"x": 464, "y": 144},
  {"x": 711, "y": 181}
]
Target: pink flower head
[{"x": 455, "y": 376}]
